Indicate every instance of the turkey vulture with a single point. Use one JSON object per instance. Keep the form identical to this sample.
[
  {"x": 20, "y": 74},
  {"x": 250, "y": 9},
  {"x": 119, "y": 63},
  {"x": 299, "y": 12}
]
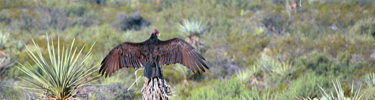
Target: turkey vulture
[{"x": 151, "y": 54}]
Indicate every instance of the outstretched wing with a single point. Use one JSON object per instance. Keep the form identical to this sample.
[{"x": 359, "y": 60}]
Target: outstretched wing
[
  {"x": 178, "y": 51},
  {"x": 124, "y": 55}
]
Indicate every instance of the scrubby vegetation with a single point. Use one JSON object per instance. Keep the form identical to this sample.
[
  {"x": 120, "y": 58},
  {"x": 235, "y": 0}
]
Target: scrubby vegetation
[{"x": 256, "y": 49}]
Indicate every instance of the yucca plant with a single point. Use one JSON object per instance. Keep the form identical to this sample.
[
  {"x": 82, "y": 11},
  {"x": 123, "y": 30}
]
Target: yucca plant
[
  {"x": 339, "y": 93},
  {"x": 193, "y": 30},
  {"x": 255, "y": 95},
  {"x": 60, "y": 73},
  {"x": 365, "y": 26},
  {"x": 370, "y": 79},
  {"x": 247, "y": 74},
  {"x": 274, "y": 67},
  {"x": 194, "y": 27}
]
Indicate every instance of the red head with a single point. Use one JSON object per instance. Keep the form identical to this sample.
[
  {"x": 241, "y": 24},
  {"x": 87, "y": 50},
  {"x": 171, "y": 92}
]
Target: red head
[{"x": 155, "y": 32}]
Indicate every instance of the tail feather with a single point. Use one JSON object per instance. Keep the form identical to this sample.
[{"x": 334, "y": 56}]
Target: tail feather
[{"x": 152, "y": 70}]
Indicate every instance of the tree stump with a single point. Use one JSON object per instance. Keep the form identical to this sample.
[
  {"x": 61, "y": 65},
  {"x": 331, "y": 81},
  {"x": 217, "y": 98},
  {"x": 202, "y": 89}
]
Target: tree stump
[{"x": 155, "y": 89}]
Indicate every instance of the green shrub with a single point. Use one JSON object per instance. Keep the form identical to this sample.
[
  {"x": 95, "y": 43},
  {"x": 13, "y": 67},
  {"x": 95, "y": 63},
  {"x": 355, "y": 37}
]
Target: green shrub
[
  {"x": 220, "y": 89},
  {"x": 9, "y": 92},
  {"x": 274, "y": 67},
  {"x": 365, "y": 27},
  {"x": 131, "y": 22},
  {"x": 255, "y": 95},
  {"x": 319, "y": 63},
  {"x": 248, "y": 73},
  {"x": 303, "y": 87},
  {"x": 338, "y": 93},
  {"x": 369, "y": 79}
]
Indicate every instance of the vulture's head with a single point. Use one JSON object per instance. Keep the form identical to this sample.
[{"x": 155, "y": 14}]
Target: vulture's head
[{"x": 155, "y": 32}]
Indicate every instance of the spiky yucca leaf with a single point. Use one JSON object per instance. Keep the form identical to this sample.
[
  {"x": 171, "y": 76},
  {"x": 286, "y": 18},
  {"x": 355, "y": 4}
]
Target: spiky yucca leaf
[
  {"x": 370, "y": 79},
  {"x": 60, "y": 73},
  {"x": 247, "y": 74},
  {"x": 192, "y": 27},
  {"x": 275, "y": 67},
  {"x": 339, "y": 93}
]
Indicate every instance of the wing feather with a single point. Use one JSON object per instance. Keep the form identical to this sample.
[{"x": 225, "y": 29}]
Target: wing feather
[
  {"x": 178, "y": 51},
  {"x": 126, "y": 54}
]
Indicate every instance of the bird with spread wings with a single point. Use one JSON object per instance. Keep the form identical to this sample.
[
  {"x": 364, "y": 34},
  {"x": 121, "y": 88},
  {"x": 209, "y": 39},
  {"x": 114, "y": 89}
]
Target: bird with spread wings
[{"x": 151, "y": 54}]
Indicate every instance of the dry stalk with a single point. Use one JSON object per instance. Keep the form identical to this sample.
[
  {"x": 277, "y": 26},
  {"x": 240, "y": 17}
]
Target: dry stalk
[{"x": 156, "y": 89}]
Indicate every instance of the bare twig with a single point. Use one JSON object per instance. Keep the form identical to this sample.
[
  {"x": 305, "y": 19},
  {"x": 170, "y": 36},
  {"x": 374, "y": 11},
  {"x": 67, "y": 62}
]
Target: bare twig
[{"x": 137, "y": 78}]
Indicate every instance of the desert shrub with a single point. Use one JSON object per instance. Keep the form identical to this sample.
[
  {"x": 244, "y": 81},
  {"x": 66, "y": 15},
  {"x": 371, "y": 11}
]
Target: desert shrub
[
  {"x": 339, "y": 93},
  {"x": 131, "y": 22},
  {"x": 304, "y": 86},
  {"x": 274, "y": 73},
  {"x": 249, "y": 52},
  {"x": 260, "y": 95},
  {"x": 369, "y": 79},
  {"x": 4, "y": 19},
  {"x": 178, "y": 73},
  {"x": 275, "y": 24},
  {"x": 221, "y": 89},
  {"x": 343, "y": 66},
  {"x": 365, "y": 26},
  {"x": 95, "y": 92},
  {"x": 9, "y": 92},
  {"x": 247, "y": 74},
  {"x": 319, "y": 63},
  {"x": 76, "y": 10},
  {"x": 274, "y": 67}
]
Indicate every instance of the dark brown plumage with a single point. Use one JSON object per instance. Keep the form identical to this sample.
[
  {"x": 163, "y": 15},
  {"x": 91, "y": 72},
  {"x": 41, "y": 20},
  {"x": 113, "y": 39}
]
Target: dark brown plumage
[{"x": 152, "y": 53}]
